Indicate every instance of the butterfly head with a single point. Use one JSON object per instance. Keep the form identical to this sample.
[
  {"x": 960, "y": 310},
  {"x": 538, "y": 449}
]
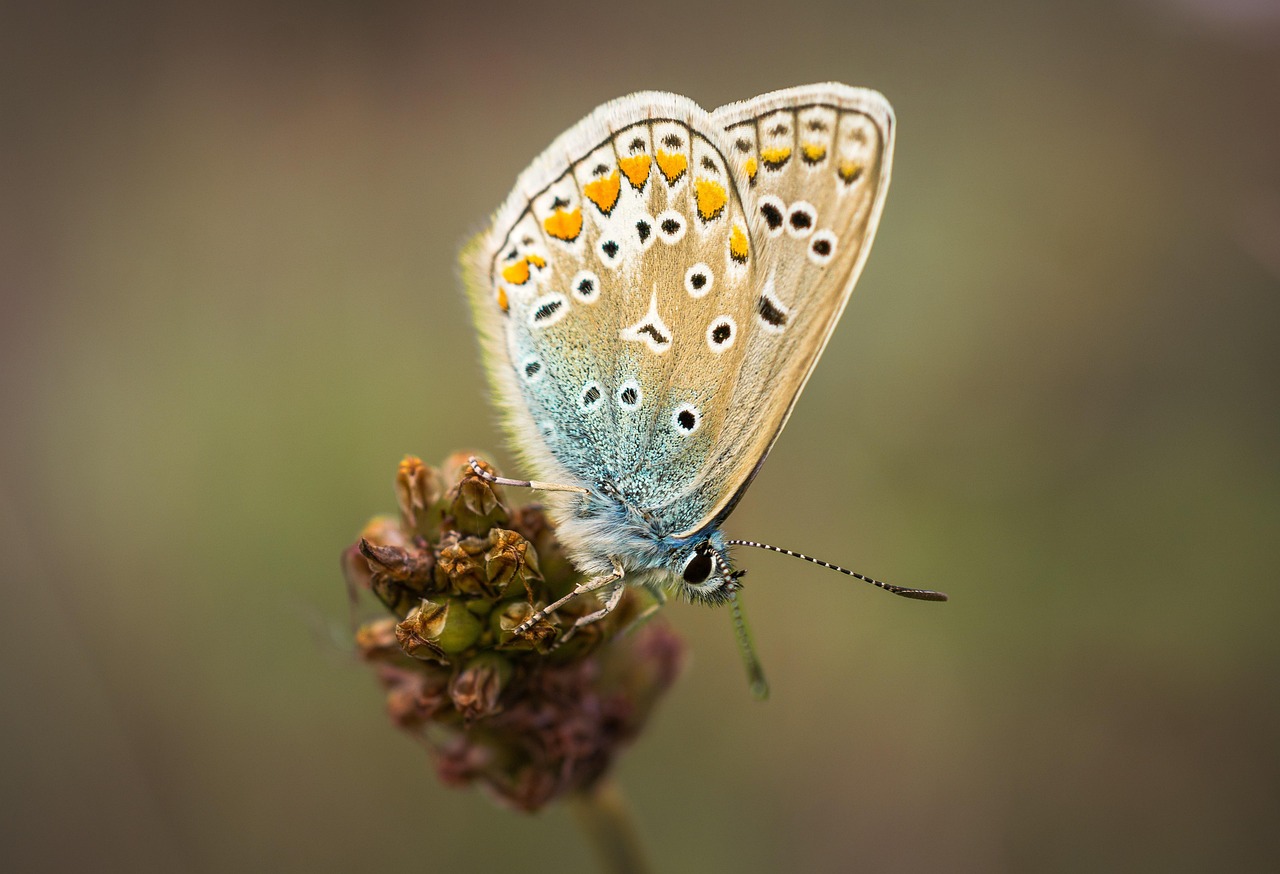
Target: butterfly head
[{"x": 705, "y": 575}]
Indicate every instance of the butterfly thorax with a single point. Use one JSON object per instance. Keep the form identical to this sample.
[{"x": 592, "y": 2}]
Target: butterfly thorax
[{"x": 600, "y": 527}]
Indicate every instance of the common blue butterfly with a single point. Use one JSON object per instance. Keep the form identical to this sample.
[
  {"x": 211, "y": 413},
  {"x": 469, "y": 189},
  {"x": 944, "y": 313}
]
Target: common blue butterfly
[{"x": 651, "y": 300}]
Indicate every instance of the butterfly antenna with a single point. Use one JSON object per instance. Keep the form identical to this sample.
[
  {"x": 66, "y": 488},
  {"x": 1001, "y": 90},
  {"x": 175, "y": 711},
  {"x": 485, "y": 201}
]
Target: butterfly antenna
[
  {"x": 755, "y": 670},
  {"x": 917, "y": 594}
]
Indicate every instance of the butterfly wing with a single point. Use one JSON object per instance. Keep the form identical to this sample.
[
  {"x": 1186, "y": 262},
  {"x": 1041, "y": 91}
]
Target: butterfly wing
[
  {"x": 655, "y": 292},
  {"x": 608, "y": 294},
  {"x": 814, "y": 164}
]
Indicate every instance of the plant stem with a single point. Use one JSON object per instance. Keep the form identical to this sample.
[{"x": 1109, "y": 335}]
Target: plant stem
[{"x": 603, "y": 814}]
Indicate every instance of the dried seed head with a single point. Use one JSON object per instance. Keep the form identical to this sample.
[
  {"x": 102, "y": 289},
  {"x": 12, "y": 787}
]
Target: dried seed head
[{"x": 529, "y": 717}]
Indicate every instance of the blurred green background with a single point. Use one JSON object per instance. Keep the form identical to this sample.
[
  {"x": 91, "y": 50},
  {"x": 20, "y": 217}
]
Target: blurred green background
[{"x": 230, "y": 306}]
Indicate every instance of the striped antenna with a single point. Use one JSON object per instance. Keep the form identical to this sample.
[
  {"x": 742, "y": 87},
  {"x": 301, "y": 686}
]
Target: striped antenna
[{"x": 917, "y": 594}]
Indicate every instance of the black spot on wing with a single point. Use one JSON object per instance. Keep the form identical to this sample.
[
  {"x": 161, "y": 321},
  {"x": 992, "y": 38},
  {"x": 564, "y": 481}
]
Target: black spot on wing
[
  {"x": 652, "y": 331},
  {"x": 547, "y": 310},
  {"x": 770, "y": 313}
]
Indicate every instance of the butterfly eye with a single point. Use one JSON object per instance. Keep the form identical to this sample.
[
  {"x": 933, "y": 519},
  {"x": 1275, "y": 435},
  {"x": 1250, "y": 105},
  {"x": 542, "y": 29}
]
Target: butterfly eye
[{"x": 698, "y": 567}]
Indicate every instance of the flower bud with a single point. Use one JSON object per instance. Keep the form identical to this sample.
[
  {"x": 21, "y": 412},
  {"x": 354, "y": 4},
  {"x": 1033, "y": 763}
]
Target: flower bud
[
  {"x": 476, "y": 689},
  {"x": 554, "y": 566},
  {"x": 435, "y": 629},
  {"x": 377, "y": 642},
  {"x": 474, "y": 505},
  {"x": 507, "y": 618},
  {"x": 381, "y": 531},
  {"x": 385, "y": 531},
  {"x": 509, "y": 561},
  {"x": 418, "y": 491},
  {"x": 415, "y": 695},
  {"x": 459, "y": 567},
  {"x": 399, "y": 577}
]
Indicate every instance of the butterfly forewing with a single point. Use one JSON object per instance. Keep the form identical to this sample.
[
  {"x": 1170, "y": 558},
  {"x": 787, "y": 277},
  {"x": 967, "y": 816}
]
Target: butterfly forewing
[{"x": 610, "y": 292}]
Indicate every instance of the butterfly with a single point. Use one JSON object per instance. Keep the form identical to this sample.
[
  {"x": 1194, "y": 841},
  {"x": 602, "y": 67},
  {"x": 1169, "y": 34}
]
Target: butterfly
[{"x": 651, "y": 300}]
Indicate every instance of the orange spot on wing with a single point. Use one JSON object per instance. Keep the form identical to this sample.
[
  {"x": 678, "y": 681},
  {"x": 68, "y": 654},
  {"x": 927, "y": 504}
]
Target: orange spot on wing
[
  {"x": 750, "y": 167},
  {"x": 775, "y": 157},
  {"x": 536, "y": 261},
  {"x": 564, "y": 224},
  {"x": 637, "y": 169},
  {"x": 603, "y": 192},
  {"x": 711, "y": 198},
  {"x": 812, "y": 153},
  {"x": 850, "y": 170},
  {"x": 503, "y": 303},
  {"x": 672, "y": 165},
  {"x": 738, "y": 245},
  {"x": 517, "y": 273}
]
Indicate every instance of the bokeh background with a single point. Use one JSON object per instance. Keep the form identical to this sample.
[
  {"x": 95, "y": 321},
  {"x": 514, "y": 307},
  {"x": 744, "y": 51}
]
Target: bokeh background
[{"x": 230, "y": 306}]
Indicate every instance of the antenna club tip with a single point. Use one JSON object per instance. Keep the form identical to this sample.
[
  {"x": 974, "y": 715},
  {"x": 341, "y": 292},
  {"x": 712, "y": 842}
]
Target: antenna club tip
[{"x": 924, "y": 595}]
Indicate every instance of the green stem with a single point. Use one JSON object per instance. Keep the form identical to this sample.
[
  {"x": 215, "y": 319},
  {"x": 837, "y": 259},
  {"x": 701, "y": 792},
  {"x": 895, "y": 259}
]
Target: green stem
[{"x": 603, "y": 814}]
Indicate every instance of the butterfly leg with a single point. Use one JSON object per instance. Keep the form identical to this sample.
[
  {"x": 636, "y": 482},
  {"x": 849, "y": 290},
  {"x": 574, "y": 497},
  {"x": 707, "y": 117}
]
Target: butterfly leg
[
  {"x": 520, "y": 483},
  {"x": 610, "y": 604},
  {"x": 580, "y": 589}
]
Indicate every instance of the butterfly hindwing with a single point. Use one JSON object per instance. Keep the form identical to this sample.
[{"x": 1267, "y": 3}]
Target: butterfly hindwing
[{"x": 814, "y": 164}]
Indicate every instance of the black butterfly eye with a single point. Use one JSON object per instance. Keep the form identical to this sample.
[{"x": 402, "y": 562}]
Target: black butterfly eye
[{"x": 699, "y": 565}]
